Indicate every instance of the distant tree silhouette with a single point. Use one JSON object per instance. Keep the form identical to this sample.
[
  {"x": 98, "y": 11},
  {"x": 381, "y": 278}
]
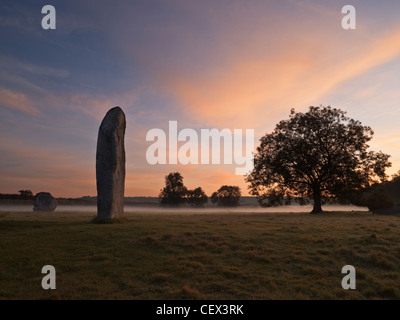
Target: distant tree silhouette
[
  {"x": 25, "y": 194},
  {"x": 319, "y": 153},
  {"x": 174, "y": 192},
  {"x": 380, "y": 199},
  {"x": 196, "y": 197},
  {"x": 383, "y": 195},
  {"x": 226, "y": 196}
]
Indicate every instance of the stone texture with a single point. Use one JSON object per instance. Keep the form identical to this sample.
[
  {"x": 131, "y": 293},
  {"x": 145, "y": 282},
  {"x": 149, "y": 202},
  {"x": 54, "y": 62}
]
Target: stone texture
[
  {"x": 110, "y": 165},
  {"x": 44, "y": 201}
]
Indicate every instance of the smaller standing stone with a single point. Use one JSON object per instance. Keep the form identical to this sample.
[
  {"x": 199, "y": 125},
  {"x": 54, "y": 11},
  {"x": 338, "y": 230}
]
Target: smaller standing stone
[{"x": 44, "y": 201}]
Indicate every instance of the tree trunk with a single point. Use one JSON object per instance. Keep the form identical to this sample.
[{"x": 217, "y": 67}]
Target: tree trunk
[{"x": 317, "y": 200}]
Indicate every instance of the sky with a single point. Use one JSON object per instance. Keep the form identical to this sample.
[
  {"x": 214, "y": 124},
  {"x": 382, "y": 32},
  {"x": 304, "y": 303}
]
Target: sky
[{"x": 224, "y": 64}]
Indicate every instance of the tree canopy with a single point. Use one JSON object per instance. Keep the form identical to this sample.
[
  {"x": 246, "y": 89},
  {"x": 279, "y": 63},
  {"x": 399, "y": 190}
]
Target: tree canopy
[
  {"x": 319, "y": 153},
  {"x": 196, "y": 197},
  {"x": 174, "y": 191},
  {"x": 227, "y": 196}
]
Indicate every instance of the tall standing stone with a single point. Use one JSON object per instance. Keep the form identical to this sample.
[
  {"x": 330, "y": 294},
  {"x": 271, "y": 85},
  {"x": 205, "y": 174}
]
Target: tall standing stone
[{"x": 110, "y": 165}]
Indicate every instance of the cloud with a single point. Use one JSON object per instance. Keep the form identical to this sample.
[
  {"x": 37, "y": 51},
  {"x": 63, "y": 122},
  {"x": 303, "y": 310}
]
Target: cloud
[
  {"x": 15, "y": 66},
  {"x": 262, "y": 58},
  {"x": 248, "y": 90},
  {"x": 97, "y": 106},
  {"x": 41, "y": 168},
  {"x": 17, "y": 101}
]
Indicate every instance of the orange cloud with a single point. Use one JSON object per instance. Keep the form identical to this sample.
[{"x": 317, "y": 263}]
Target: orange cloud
[
  {"x": 40, "y": 169},
  {"x": 249, "y": 90},
  {"x": 17, "y": 101},
  {"x": 97, "y": 105}
]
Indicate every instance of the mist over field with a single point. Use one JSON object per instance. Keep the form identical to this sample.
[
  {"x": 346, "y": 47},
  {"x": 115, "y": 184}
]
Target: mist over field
[{"x": 213, "y": 209}]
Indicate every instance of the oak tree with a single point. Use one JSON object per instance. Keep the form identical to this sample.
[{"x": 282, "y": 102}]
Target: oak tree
[{"x": 318, "y": 153}]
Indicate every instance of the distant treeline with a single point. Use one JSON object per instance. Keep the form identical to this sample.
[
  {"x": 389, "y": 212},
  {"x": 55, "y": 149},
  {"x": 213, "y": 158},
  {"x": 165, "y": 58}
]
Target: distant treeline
[
  {"x": 175, "y": 193},
  {"x": 22, "y": 195},
  {"x": 244, "y": 200}
]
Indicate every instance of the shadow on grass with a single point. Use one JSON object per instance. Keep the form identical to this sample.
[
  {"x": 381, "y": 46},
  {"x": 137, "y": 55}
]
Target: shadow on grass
[{"x": 98, "y": 220}]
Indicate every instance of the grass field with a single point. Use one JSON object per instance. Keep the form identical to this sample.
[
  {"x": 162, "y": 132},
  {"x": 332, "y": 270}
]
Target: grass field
[{"x": 200, "y": 256}]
